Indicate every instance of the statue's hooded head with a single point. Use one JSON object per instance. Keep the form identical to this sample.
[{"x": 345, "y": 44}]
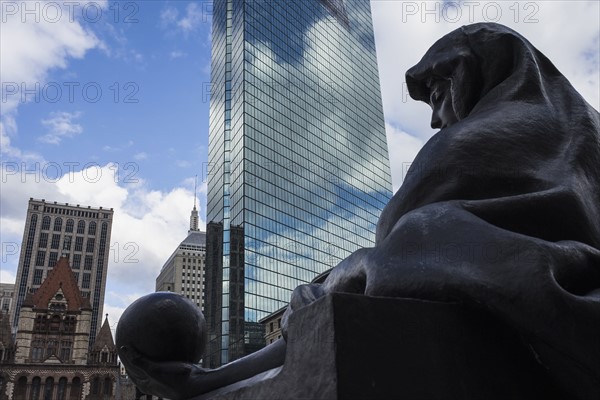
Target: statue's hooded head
[{"x": 466, "y": 65}]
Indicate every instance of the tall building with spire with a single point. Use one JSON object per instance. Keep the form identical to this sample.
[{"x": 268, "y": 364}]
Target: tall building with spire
[
  {"x": 184, "y": 270},
  {"x": 194, "y": 215},
  {"x": 298, "y": 158},
  {"x": 79, "y": 233}
]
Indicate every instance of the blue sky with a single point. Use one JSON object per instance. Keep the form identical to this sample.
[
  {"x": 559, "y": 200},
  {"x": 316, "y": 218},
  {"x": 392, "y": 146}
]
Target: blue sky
[
  {"x": 138, "y": 145},
  {"x": 116, "y": 96}
]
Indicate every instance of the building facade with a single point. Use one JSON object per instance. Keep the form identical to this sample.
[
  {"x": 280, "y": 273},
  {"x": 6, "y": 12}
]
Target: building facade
[
  {"x": 298, "y": 160},
  {"x": 50, "y": 358},
  {"x": 183, "y": 272},
  {"x": 82, "y": 235},
  {"x": 6, "y": 297},
  {"x": 272, "y": 324}
]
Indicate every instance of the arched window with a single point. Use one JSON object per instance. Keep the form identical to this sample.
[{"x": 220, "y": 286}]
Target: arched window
[
  {"x": 107, "y": 390},
  {"x": 48, "y": 388},
  {"x": 69, "y": 227},
  {"x": 57, "y": 224},
  {"x": 62, "y": 389},
  {"x": 46, "y": 223},
  {"x": 35, "y": 388},
  {"x": 75, "y": 389},
  {"x": 96, "y": 385},
  {"x": 92, "y": 228},
  {"x": 21, "y": 388},
  {"x": 81, "y": 227}
]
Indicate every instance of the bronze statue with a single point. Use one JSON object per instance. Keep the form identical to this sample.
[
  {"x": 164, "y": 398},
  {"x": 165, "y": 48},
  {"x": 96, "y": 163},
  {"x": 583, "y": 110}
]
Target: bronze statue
[{"x": 500, "y": 210}]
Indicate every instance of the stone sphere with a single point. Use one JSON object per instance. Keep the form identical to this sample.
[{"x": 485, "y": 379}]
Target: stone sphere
[{"x": 163, "y": 326}]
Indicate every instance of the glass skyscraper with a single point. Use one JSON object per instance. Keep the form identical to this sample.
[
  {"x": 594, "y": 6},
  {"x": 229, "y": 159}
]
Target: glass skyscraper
[{"x": 299, "y": 169}]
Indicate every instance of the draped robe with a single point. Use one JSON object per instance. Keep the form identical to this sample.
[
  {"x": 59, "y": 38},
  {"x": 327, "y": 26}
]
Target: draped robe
[{"x": 500, "y": 210}]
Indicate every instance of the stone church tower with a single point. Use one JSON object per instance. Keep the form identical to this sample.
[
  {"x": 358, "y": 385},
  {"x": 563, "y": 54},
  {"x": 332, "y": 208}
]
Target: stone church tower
[
  {"x": 55, "y": 321},
  {"x": 50, "y": 358}
]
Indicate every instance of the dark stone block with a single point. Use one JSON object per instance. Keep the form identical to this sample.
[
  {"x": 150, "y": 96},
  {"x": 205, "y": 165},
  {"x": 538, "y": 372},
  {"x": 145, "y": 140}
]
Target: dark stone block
[{"x": 357, "y": 347}]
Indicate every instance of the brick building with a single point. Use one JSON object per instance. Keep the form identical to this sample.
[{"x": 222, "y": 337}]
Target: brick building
[{"x": 50, "y": 358}]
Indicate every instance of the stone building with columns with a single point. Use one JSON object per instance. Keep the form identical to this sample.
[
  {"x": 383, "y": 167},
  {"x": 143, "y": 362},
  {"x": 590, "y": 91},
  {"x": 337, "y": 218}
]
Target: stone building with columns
[{"x": 50, "y": 357}]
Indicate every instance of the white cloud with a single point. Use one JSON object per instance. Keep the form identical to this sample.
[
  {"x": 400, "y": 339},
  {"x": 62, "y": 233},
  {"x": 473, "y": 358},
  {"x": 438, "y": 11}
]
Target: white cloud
[
  {"x": 195, "y": 15},
  {"x": 177, "y": 54},
  {"x": 168, "y": 16},
  {"x": 405, "y": 30},
  {"x": 29, "y": 49},
  {"x": 7, "y": 276},
  {"x": 402, "y": 149},
  {"x": 183, "y": 163},
  {"x": 193, "y": 18},
  {"x": 61, "y": 125},
  {"x": 148, "y": 224},
  {"x": 40, "y": 47},
  {"x": 118, "y": 148},
  {"x": 8, "y": 129},
  {"x": 140, "y": 156}
]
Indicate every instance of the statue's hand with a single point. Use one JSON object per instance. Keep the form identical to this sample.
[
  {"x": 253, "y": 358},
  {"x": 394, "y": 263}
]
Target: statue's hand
[{"x": 172, "y": 380}]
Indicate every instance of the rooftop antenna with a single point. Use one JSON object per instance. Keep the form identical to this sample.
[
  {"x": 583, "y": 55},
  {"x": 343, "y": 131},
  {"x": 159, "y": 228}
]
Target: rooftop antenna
[{"x": 195, "y": 191}]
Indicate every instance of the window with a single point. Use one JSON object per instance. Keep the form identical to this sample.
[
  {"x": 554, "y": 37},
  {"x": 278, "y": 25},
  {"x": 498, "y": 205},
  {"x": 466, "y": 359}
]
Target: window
[
  {"x": 65, "y": 350},
  {"x": 69, "y": 324},
  {"x": 81, "y": 227},
  {"x": 88, "y": 263},
  {"x": 92, "y": 228},
  {"x": 85, "y": 284},
  {"x": 51, "y": 348},
  {"x": 69, "y": 227},
  {"x": 79, "y": 243},
  {"x": 62, "y": 389},
  {"x": 48, "y": 387},
  {"x": 76, "y": 261},
  {"x": 55, "y": 241},
  {"x": 40, "y": 258},
  {"x": 5, "y": 307},
  {"x": 43, "y": 240},
  {"x": 21, "y": 388},
  {"x": 57, "y": 224},
  {"x": 54, "y": 324},
  {"x": 36, "y": 384},
  {"x": 89, "y": 247},
  {"x": 46, "y": 223},
  {"x": 75, "y": 389},
  {"x": 37, "y": 350},
  {"x": 107, "y": 387},
  {"x": 40, "y": 323},
  {"x": 53, "y": 259},
  {"x": 37, "y": 276},
  {"x": 67, "y": 243},
  {"x": 96, "y": 385}
]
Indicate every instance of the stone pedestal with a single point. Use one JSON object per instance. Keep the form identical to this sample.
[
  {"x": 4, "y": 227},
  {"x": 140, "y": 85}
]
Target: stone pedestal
[{"x": 357, "y": 347}]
